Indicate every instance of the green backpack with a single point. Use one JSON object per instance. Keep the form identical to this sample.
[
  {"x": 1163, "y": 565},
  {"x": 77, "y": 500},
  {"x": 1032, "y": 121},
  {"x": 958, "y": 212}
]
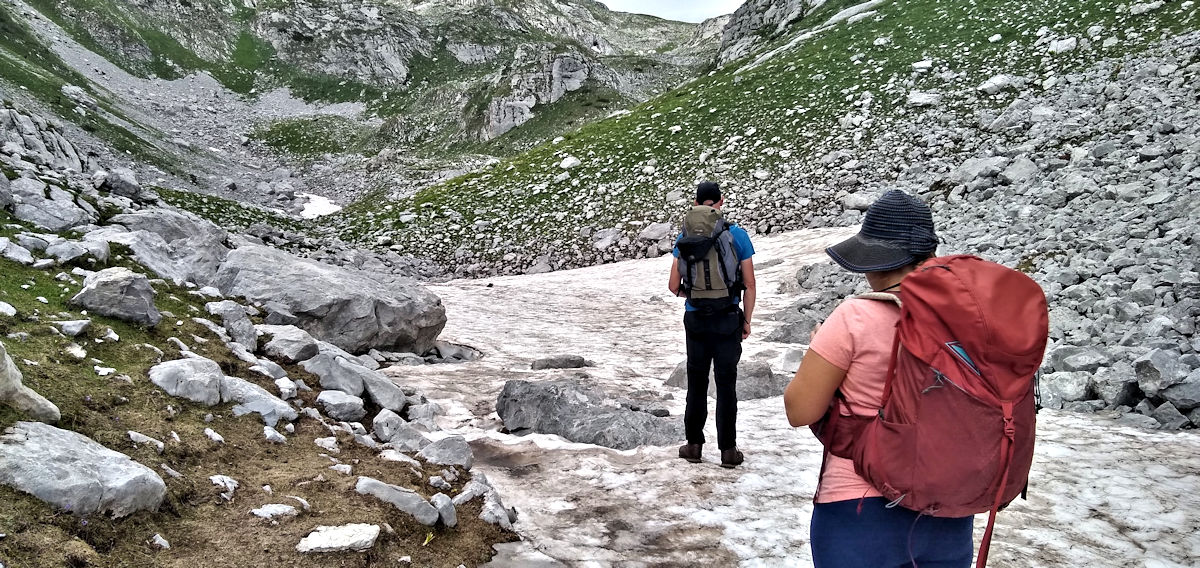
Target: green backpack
[{"x": 709, "y": 265}]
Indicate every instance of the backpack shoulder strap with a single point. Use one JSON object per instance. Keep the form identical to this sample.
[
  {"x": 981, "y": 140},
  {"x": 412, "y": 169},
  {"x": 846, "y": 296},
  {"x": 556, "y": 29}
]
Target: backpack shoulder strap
[{"x": 881, "y": 296}]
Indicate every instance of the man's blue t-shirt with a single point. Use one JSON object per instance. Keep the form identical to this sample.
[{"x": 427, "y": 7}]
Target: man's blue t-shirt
[{"x": 742, "y": 247}]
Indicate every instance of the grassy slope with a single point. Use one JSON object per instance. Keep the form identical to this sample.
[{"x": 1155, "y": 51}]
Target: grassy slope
[
  {"x": 204, "y": 530},
  {"x": 788, "y": 105},
  {"x": 28, "y": 64}
]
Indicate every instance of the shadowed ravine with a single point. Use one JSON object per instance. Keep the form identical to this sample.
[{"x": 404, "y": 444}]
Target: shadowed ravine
[{"x": 1101, "y": 494}]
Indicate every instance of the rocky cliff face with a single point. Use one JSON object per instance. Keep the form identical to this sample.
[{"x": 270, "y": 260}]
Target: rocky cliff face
[
  {"x": 455, "y": 70},
  {"x": 759, "y": 20}
]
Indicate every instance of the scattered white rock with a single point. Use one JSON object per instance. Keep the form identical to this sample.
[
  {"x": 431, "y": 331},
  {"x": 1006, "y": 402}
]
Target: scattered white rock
[
  {"x": 340, "y": 538},
  {"x": 139, "y": 438},
  {"x": 274, "y": 511},
  {"x": 159, "y": 542},
  {"x": 214, "y": 436},
  {"x": 569, "y": 162},
  {"x": 273, "y": 435},
  {"x": 225, "y": 482},
  {"x": 1064, "y": 45},
  {"x": 920, "y": 99}
]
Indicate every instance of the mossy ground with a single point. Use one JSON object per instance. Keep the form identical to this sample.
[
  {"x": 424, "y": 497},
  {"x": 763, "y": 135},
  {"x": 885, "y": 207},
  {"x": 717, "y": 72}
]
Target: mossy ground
[{"x": 203, "y": 529}]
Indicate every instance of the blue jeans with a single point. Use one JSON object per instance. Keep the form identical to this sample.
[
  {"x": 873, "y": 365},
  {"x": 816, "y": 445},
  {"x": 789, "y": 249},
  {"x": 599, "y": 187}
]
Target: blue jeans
[{"x": 880, "y": 537}]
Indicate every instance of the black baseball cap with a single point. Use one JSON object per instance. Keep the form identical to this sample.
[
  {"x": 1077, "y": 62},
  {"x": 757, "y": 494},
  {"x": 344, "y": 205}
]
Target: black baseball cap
[{"x": 708, "y": 191}]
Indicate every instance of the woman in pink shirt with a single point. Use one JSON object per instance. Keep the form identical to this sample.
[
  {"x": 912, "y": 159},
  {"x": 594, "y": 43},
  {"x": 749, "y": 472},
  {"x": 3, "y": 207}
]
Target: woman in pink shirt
[{"x": 852, "y": 524}]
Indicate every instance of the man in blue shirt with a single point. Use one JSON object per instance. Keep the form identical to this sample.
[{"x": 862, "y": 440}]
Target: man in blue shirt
[{"x": 714, "y": 340}]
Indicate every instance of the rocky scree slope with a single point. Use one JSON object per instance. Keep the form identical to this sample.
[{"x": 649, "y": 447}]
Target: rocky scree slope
[
  {"x": 154, "y": 393},
  {"x": 830, "y": 109},
  {"x": 438, "y": 73}
]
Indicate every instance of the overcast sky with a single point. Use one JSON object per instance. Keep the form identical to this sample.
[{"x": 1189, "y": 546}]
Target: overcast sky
[{"x": 682, "y": 10}]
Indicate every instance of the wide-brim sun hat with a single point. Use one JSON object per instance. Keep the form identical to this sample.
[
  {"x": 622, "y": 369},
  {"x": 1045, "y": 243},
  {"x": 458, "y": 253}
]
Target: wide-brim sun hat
[{"x": 897, "y": 231}]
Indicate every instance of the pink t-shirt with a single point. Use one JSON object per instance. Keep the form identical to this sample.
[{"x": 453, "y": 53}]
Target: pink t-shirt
[{"x": 858, "y": 338}]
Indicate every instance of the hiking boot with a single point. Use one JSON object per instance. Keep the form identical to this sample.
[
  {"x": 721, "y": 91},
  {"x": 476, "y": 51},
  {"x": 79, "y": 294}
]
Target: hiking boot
[
  {"x": 690, "y": 452},
  {"x": 730, "y": 458}
]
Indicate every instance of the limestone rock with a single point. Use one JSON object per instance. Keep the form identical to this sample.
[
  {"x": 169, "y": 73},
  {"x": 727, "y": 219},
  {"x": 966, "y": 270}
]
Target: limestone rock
[
  {"x": 288, "y": 343},
  {"x": 176, "y": 246},
  {"x": 445, "y": 508},
  {"x": 19, "y": 396},
  {"x": 1158, "y": 370},
  {"x": 251, "y": 398},
  {"x": 452, "y": 450},
  {"x": 401, "y": 498},
  {"x": 340, "y": 538},
  {"x": 197, "y": 379},
  {"x": 120, "y": 293},
  {"x": 74, "y": 473},
  {"x": 341, "y": 306},
  {"x": 47, "y": 206},
  {"x": 580, "y": 414},
  {"x": 341, "y": 406}
]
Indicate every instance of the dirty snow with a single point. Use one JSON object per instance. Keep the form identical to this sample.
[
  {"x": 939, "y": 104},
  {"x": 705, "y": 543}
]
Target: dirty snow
[
  {"x": 317, "y": 206},
  {"x": 1101, "y": 494}
]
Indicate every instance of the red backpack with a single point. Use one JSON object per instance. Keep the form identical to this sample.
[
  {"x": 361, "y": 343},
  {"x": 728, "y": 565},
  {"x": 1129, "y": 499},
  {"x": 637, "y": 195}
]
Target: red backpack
[{"x": 954, "y": 435}]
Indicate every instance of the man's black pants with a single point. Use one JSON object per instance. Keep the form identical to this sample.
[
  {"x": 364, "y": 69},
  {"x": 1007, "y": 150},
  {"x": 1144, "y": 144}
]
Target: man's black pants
[{"x": 713, "y": 341}]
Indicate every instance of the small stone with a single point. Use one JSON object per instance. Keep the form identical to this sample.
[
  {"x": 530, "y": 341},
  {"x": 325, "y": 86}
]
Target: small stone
[
  {"x": 273, "y": 435},
  {"x": 214, "y": 436},
  {"x": 339, "y": 538}
]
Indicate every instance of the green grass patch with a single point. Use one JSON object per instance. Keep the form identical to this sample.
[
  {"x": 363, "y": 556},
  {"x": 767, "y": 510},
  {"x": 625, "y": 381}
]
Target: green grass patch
[{"x": 314, "y": 135}]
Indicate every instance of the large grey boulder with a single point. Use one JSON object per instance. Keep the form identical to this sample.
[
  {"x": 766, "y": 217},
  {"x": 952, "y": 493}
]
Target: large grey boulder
[
  {"x": 401, "y": 498},
  {"x": 341, "y": 306},
  {"x": 1065, "y": 386},
  {"x": 288, "y": 343},
  {"x": 15, "y": 394},
  {"x": 176, "y": 246},
  {"x": 49, "y": 207},
  {"x": 6, "y": 197},
  {"x": 340, "y": 371},
  {"x": 445, "y": 509},
  {"x": 452, "y": 450},
  {"x": 389, "y": 427},
  {"x": 120, "y": 293},
  {"x": 341, "y": 406},
  {"x": 236, "y": 321},
  {"x": 74, "y": 473},
  {"x": 581, "y": 413},
  {"x": 1116, "y": 385},
  {"x": 1185, "y": 395},
  {"x": 123, "y": 182},
  {"x": 15, "y": 252},
  {"x": 196, "y": 378},
  {"x": 1169, "y": 417},
  {"x": 755, "y": 380},
  {"x": 336, "y": 373},
  {"x": 252, "y": 398},
  {"x": 1158, "y": 370}
]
